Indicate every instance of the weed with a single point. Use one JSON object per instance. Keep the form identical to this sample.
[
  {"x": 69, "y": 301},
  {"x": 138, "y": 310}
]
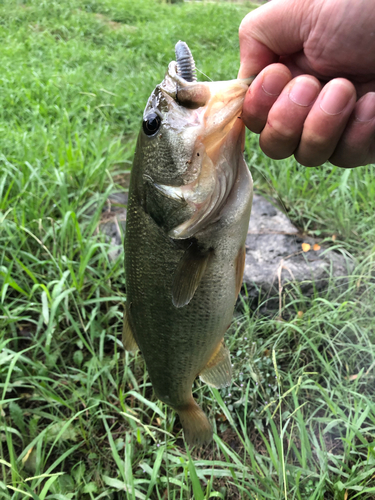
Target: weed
[{"x": 78, "y": 418}]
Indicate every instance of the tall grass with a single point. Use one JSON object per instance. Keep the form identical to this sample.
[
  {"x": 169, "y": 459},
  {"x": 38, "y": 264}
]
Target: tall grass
[{"x": 78, "y": 418}]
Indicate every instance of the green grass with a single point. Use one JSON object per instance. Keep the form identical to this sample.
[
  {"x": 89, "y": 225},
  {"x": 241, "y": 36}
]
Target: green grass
[{"x": 78, "y": 419}]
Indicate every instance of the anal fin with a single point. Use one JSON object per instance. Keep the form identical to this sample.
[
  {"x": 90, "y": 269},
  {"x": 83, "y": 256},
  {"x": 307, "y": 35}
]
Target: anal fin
[
  {"x": 189, "y": 273},
  {"x": 218, "y": 371},
  {"x": 128, "y": 339}
]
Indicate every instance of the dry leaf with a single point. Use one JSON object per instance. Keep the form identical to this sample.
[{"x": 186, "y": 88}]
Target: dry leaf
[
  {"x": 334, "y": 237},
  {"x": 316, "y": 247},
  {"x": 352, "y": 377},
  {"x": 346, "y": 495},
  {"x": 27, "y": 455},
  {"x": 280, "y": 319},
  {"x": 300, "y": 314},
  {"x": 306, "y": 247},
  {"x": 221, "y": 417}
]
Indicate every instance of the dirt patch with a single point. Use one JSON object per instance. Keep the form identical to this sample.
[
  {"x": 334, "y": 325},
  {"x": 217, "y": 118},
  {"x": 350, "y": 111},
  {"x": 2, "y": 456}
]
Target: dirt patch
[{"x": 115, "y": 25}]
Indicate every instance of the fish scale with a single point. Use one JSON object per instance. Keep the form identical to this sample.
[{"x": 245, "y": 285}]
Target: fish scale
[{"x": 201, "y": 318}]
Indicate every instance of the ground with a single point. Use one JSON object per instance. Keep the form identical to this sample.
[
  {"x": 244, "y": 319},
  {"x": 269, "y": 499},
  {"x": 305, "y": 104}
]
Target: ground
[{"x": 78, "y": 419}]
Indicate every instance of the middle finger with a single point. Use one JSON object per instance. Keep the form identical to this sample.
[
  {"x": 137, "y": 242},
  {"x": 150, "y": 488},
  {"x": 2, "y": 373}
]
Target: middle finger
[{"x": 282, "y": 132}]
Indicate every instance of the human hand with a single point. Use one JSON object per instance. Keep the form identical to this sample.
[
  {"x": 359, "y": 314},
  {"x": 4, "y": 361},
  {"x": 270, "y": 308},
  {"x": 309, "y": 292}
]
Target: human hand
[{"x": 314, "y": 57}]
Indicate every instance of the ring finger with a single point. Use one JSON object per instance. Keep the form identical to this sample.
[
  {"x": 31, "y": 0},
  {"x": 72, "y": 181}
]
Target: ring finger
[{"x": 326, "y": 122}]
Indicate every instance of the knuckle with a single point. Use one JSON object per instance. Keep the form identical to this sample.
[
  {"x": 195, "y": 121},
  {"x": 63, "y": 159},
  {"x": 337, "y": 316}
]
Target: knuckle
[
  {"x": 348, "y": 159},
  {"x": 345, "y": 163},
  {"x": 245, "y": 27},
  {"x": 281, "y": 130},
  {"x": 271, "y": 150},
  {"x": 318, "y": 142},
  {"x": 307, "y": 161}
]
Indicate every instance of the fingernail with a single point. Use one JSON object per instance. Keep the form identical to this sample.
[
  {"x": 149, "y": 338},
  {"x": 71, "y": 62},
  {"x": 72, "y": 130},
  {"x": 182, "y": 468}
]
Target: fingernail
[
  {"x": 365, "y": 109},
  {"x": 273, "y": 83},
  {"x": 304, "y": 91},
  {"x": 333, "y": 101}
]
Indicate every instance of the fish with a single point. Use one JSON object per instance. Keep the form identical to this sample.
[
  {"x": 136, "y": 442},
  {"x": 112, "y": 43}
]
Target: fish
[{"x": 189, "y": 204}]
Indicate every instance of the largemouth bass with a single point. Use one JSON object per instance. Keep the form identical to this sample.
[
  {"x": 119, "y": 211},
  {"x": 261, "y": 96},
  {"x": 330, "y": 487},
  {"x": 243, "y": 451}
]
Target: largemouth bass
[{"x": 188, "y": 213}]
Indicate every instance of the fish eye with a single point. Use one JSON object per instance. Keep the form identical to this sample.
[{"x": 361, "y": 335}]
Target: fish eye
[{"x": 151, "y": 124}]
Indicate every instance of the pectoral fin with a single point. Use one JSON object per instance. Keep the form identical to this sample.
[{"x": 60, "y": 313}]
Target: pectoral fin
[
  {"x": 189, "y": 273},
  {"x": 128, "y": 339},
  {"x": 218, "y": 371}
]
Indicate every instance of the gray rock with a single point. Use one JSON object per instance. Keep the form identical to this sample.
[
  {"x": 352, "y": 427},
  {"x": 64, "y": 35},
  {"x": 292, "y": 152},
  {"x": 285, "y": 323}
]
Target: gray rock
[
  {"x": 273, "y": 251},
  {"x": 112, "y": 222},
  {"x": 274, "y": 256}
]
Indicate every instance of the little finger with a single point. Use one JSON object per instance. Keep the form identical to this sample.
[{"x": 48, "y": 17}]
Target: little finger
[{"x": 357, "y": 144}]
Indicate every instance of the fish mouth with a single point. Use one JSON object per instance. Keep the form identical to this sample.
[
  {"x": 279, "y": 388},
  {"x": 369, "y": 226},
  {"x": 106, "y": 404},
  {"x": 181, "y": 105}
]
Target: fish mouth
[
  {"x": 212, "y": 112},
  {"x": 181, "y": 83}
]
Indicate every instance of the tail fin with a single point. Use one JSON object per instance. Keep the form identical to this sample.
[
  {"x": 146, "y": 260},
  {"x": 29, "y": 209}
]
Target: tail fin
[{"x": 197, "y": 428}]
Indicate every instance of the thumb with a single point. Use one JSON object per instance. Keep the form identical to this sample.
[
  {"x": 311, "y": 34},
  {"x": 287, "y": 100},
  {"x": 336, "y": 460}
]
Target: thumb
[{"x": 272, "y": 30}]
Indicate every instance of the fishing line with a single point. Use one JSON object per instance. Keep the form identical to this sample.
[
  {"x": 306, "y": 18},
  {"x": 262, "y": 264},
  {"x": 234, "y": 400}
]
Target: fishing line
[{"x": 204, "y": 74}]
